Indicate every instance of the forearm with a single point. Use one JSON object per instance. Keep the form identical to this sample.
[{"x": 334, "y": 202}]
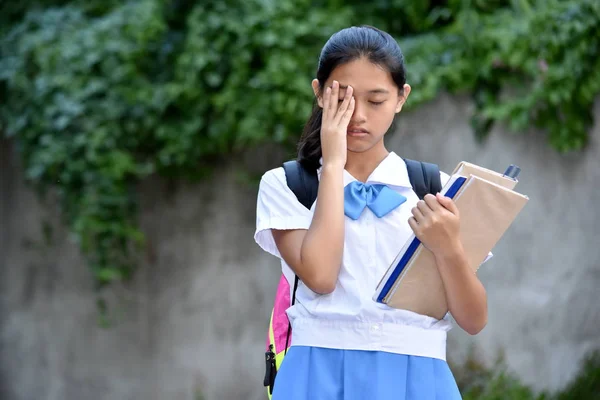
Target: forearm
[
  {"x": 466, "y": 296},
  {"x": 323, "y": 245}
]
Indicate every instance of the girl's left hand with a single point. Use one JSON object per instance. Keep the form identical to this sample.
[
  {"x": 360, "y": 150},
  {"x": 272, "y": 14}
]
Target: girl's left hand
[{"x": 436, "y": 223}]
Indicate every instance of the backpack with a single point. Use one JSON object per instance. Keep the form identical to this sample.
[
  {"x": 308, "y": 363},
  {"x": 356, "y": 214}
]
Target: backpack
[{"x": 424, "y": 178}]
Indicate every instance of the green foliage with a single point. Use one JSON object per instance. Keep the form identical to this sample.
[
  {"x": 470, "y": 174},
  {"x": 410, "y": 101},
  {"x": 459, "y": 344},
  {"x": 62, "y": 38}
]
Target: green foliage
[
  {"x": 527, "y": 66},
  {"x": 480, "y": 383},
  {"x": 502, "y": 386},
  {"x": 587, "y": 383},
  {"x": 98, "y": 95},
  {"x": 80, "y": 104}
]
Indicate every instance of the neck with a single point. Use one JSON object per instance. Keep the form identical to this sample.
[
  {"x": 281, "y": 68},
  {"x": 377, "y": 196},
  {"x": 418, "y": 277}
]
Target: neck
[{"x": 361, "y": 165}]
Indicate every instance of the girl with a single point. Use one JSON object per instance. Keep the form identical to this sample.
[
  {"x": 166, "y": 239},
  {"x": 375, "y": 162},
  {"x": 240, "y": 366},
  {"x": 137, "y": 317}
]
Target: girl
[{"x": 345, "y": 345}]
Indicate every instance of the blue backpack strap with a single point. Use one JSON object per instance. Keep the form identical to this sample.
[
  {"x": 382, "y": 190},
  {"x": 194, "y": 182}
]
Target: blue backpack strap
[{"x": 424, "y": 177}]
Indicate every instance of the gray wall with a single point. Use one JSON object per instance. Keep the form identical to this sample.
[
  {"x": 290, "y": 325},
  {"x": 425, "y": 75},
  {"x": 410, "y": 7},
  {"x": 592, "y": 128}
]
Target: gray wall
[
  {"x": 544, "y": 280},
  {"x": 194, "y": 318}
]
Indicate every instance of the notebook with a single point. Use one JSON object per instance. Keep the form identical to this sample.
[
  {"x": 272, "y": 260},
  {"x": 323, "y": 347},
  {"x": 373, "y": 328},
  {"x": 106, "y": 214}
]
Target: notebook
[{"x": 488, "y": 205}]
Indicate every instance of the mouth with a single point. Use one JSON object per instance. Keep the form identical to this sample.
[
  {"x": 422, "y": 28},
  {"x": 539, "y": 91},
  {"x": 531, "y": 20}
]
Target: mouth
[{"x": 353, "y": 131}]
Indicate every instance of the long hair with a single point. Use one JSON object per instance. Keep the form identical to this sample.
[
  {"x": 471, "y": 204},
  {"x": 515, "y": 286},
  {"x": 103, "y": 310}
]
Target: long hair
[{"x": 343, "y": 47}]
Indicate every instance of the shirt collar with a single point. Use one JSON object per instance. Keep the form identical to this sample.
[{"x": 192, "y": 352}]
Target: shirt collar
[{"x": 391, "y": 171}]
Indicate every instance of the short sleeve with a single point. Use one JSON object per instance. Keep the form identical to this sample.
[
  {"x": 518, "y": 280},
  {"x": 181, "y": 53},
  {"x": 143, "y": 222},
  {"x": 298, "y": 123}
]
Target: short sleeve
[
  {"x": 444, "y": 177},
  {"x": 277, "y": 208}
]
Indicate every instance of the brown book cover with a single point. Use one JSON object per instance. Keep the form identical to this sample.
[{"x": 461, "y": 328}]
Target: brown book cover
[
  {"x": 487, "y": 209},
  {"x": 466, "y": 169}
]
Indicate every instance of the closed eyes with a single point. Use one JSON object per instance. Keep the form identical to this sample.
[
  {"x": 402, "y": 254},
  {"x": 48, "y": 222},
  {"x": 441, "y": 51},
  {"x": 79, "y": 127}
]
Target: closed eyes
[{"x": 375, "y": 103}]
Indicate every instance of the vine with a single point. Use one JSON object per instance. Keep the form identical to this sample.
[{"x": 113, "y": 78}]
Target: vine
[{"x": 96, "y": 96}]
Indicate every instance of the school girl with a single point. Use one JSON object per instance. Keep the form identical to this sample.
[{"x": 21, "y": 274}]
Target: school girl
[{"x": 344, "y": 344}]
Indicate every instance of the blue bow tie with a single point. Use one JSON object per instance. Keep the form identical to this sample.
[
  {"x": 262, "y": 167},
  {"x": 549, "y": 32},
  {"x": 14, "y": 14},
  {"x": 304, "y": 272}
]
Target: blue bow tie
[{"x": 378, "y": 198}]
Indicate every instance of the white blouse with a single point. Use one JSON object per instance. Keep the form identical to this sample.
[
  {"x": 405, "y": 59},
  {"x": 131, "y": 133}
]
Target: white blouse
[{"x": 348, "y": 318}]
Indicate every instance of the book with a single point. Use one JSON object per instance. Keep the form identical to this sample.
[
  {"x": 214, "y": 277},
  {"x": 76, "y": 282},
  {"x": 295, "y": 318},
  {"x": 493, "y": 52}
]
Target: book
[{"x": 488, "y": 205}]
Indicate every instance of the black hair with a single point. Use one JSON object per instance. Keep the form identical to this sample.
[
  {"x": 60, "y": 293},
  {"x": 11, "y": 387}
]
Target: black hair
[{"x": 343, "y": 47}]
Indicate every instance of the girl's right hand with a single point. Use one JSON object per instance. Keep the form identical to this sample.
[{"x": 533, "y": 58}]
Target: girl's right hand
[{"x": 334, "y": 125}]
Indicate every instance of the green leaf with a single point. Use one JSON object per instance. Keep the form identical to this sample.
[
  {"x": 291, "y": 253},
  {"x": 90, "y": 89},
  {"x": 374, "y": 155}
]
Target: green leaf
[{"x": 96, "y": 99}]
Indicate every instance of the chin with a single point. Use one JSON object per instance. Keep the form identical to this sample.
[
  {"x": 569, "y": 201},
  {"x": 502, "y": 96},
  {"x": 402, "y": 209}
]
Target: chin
[
  {"x": 359, "y": 149},
  {"x": 359, "y": 146}
]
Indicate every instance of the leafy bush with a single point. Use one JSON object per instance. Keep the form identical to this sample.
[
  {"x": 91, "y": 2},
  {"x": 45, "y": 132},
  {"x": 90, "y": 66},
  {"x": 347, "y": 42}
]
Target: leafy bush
[
  {"x": 98, "y": 95},
  {"x": 480, "y": 383},
  {"x": 586, "y": 386}
]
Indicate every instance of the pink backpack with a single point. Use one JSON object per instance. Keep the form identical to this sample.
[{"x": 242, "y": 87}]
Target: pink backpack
[
  {"x": 304, "y": 183},
  {"x": 280, "y": 331}
]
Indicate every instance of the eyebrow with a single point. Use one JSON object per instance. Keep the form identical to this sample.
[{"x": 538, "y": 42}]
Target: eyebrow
[{"x": 374, "y": 91}]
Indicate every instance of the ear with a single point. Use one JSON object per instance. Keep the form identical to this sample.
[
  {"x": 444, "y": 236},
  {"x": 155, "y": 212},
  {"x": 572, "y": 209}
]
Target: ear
[
  {"x": 317, "y": 91},
  {"x": 402, "y": 97}
]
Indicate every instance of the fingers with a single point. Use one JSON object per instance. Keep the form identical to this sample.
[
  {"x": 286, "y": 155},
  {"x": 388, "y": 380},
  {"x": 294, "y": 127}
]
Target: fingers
[
  {"x": 418, "y": 215},
  {"x": 424, "y": 208},
  {"x": 338, "y": 114},
  {"x": 414, "y": 225},
  {"x": 345, "y": 104},
  {"x": 326, "y": 97},
  {"x": 334, "y": 98},
  {"x": 347, "y": 115},
  {"x": 448, "y": 203},
  {"x": 432, "y": 202}
]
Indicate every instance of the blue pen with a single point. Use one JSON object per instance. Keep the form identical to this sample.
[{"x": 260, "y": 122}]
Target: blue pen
[{"x": 512, "y": 172}]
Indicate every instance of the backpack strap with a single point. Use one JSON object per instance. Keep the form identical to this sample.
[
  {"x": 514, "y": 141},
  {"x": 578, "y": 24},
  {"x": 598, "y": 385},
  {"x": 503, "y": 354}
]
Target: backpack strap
[
  {"x": 424, "y": 177},
  {"x": 305, "y": 185},
  {"x": 303, "y": 182}
]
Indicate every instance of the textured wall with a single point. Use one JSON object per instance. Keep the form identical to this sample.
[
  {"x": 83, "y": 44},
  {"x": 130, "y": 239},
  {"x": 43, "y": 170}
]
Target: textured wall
[
  {"x": 543, "y": 282},
  {"x": 195, "y": 316}
]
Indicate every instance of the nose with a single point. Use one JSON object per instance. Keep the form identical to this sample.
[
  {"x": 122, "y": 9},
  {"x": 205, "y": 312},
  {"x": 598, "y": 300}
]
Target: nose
[{"x": 358, "y": 117}]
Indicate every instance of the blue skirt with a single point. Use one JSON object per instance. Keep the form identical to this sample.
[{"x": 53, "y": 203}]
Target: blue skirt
[{"x": 312, "y": 373}]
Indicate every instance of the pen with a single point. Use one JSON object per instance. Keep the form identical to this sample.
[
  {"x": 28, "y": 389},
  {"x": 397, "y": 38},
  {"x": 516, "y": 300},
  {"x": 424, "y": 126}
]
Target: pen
[{"x": 512, "y": 171}]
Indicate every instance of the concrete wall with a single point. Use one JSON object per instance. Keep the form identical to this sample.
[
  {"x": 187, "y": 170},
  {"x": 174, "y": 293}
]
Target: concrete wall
[
  {"x": 543, "y": 282},
  {"x": 194, "y": 318}
]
